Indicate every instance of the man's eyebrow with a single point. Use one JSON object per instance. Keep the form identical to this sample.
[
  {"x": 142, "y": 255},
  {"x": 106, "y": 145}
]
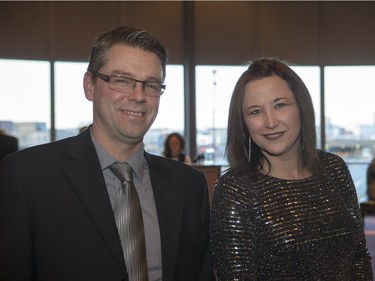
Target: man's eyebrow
[
  {"x": 130, "y": 75},
  {"x": 117, "y": 72}
]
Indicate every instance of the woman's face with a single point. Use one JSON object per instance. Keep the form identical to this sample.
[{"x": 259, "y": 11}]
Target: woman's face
[
  {"x": 174, "y": 145},
  {"x": 272, "y": 117}
]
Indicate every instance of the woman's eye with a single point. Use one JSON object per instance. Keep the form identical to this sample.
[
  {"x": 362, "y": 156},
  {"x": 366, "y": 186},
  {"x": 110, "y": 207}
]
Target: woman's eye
[
  {"x": 254, "y": 112},
  {"x": 280, "y": 105}
]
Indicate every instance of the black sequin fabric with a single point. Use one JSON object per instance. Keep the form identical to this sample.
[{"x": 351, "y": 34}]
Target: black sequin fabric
[{"x": 265, "y": 228}]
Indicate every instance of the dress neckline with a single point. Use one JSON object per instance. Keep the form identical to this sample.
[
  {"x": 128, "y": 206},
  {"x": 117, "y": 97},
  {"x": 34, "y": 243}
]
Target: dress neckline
[{"x": 309, "y": 178}]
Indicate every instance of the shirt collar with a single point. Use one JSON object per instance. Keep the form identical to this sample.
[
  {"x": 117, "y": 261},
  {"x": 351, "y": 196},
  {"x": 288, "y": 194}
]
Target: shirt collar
[{"x": 136, "y": 161}]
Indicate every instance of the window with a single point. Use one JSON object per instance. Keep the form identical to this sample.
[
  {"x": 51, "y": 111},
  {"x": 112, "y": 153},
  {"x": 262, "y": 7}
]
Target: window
[
  {"x": 73, "y": 110},
  {"x": 214, "y": 88},
  {"x": 25, "y": 104},
  {"x": 25, "y": 108},
  {"x": 350, "y": 118}
]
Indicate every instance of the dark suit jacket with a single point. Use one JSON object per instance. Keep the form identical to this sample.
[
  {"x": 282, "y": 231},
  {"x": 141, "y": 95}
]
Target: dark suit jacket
[
  {"x": 56, "y": 220},
  {"x": 8, "y": 145}
]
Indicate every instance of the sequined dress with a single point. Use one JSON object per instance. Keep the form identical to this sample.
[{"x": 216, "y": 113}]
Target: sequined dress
[{"x": 265, "y": 228}]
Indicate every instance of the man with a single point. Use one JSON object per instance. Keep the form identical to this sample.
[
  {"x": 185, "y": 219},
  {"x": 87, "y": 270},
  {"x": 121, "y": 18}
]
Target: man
[
  {"x": 8, "y": 144},
  {"x": 56, "y": 200}
]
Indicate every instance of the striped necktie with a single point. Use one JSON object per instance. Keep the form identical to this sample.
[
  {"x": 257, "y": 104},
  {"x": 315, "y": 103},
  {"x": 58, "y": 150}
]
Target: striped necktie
[{"x": 129, "y": 221}]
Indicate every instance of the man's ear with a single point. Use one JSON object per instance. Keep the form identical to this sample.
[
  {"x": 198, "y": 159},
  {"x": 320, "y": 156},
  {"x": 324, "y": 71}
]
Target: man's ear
[{"x": 88, "y": 86}]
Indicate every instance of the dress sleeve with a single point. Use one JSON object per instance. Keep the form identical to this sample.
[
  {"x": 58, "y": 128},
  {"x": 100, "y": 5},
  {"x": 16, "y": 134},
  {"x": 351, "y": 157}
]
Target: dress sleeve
[{"x": 233, "y": 231}]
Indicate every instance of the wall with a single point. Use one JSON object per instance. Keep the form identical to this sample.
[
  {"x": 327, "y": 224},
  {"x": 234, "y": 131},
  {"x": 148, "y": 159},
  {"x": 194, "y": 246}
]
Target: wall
[{"x": 225, "y": 32}]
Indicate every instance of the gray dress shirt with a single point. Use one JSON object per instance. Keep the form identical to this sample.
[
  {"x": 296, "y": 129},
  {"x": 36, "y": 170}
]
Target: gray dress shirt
[{"x": 143, "y": 186}]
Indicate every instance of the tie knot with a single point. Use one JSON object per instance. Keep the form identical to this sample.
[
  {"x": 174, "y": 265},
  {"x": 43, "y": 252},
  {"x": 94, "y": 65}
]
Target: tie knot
[{"x": 122, "y": 171}]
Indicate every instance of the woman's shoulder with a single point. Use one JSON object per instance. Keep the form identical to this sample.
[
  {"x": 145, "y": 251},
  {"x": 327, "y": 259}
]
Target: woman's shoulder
[
  {"x": 233, "y": 177},
  {"x": 234, "y": 186},
  {"x": 330, "y": 159},
  {"x": 230, "y": 173}
]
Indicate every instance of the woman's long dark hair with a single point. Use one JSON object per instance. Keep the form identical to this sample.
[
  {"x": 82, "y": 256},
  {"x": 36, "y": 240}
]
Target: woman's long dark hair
[{"x": 237, "y": 147}]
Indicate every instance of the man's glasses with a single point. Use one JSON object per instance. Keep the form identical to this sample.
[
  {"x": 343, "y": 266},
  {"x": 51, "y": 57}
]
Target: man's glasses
[{"x": 127, "y": 85}]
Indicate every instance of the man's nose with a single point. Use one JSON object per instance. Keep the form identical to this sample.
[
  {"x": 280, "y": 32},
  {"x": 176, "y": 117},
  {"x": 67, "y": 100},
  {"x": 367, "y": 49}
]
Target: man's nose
[{"x": 138, "y": 92}]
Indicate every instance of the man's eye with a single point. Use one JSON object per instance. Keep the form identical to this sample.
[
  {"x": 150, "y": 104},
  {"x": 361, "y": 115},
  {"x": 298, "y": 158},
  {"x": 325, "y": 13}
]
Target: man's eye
[
  {"x": 121, "y": 80},
  {"x": 153, "y": 86}
]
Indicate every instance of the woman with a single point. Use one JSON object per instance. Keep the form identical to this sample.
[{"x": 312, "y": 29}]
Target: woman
[
  {"x": 174, "y": 147},
  {"x": 284, "y": 210}
]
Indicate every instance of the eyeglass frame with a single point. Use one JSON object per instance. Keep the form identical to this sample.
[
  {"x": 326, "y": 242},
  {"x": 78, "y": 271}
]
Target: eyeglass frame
[{"x": 107, "y": 78}]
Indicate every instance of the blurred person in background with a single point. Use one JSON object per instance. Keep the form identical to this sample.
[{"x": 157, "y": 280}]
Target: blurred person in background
[
  {"x": 8, "y": 144},
  {"x": 371, "y": 180},
  {"x": 174, "y": 148}
]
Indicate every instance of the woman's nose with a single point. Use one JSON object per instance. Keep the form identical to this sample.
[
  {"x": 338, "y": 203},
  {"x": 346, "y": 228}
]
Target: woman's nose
[{"x": 270, "y": 120}]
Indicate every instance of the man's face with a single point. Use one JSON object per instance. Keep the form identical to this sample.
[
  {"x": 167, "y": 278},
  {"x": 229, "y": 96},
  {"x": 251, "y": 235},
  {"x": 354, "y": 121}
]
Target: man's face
[{"x": 124, "y": 117}]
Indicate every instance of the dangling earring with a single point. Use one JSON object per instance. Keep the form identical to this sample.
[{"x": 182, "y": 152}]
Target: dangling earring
[
  {"x": 303, "y": 145},
  {"x": 249, "y": 154}
]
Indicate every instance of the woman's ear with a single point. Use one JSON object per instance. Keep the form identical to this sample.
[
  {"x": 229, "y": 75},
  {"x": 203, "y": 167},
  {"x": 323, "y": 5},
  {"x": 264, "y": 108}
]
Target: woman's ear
[{"x": 88, "y": 86}]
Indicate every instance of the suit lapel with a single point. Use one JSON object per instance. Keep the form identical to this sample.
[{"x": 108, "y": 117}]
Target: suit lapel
[
  {"x": 85, "y": 174},
  {"x": 169, "y": 205},
  {"x": 88, "y": 183}
]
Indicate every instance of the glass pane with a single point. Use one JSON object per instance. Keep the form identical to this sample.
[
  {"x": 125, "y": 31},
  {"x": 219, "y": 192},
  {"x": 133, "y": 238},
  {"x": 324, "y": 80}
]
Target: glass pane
[
  {"x": 214, "y": 88},
  {"x": 215, "y": 85},
  {"x": 350, "y": 118},
  {"x": 171, "y": 109},
  {"x": 25, "y": 101},
  {"x": 73, "y": 110}
]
